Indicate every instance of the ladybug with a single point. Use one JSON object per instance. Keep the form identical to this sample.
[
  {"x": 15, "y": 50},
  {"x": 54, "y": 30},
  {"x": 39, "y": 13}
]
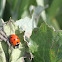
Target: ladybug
[{"x": 14, "y": 40}]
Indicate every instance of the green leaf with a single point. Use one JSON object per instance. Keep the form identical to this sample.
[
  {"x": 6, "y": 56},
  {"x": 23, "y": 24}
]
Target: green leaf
[
  {"x": 11, "y": 28},
  {"x": 57, "y": 45},
  {"x": 2, "y": 54},
  {"x": 17, "y": 54},
  {"x": 46, "y": 44},
  {"x": 43, "y": 38},
  {"x": 5, "y": 49}
]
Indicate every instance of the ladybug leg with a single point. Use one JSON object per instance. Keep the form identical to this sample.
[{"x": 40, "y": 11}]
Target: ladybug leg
[{"x": 16, "y": 46}]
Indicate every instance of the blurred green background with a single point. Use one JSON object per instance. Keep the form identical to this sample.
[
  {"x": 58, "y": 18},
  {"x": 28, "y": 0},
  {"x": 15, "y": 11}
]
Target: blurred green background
[{"x": 17, "y": 9}]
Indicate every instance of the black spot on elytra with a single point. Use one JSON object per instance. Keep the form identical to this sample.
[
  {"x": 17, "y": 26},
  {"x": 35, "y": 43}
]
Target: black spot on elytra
[
  {"x": 14, "y": 39},
  {"x": 11, "y": 37},
  {"x": 11, "y": 42},
  {"x": 17, "y": 42}
]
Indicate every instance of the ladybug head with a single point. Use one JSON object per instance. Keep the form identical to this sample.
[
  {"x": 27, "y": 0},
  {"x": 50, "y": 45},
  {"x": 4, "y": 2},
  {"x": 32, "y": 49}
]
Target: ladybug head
[{"x": 17, "y": 44}]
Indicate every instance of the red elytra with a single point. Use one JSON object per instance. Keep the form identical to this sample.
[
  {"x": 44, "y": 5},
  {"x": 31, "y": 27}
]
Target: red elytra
[{"x": 14, "y": 39}]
